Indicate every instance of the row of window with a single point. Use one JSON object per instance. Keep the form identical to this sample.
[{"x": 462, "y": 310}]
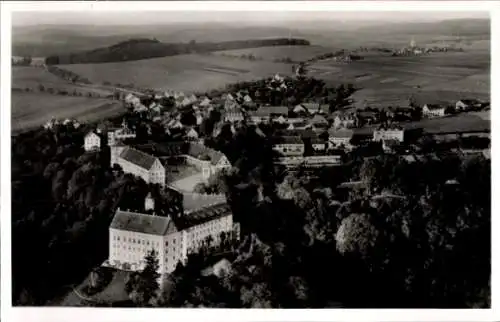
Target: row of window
[{"x": 136, "y": 241}]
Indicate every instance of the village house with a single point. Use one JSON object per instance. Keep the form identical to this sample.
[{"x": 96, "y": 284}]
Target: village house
[
  {"x": 388, "y": 133},
  {"x": 132, "y": 235},
  {"x": 433, "y": 110},
  {"x": 132, "y": 100},
  {"x": 92, "y": 141},
  {"x": 149, "y": 202},
  {"x": 230, "y": 104},
  {"x": 192, "y": 135},
  {"x": 318, "y": 144},
  {"x": 312, "y": 108},
  {"x": 344, "y": 121},
  {"x": 140, "y": 164},
  {"x": 267, "y": 113},
  {"x": 300, "y": 109},
  {"x": 234, "y": 114},
  {"x": 467, "y": 105},
  {"x": 319, "y": 122},
  {"x": 120, "y": 134},
  {"x": 288, "y": 145},
  {"x": 341, "y": 137},
  {"x": 205, "y": 102}
]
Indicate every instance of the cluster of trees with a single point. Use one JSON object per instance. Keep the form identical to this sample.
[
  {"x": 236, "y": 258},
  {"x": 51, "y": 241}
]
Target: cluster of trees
[
  {"x": 25, "y": 61},
  {"x": 67, "y": 75},
  {"x": 305, "y": 89},
  {"x": 63, "y": 201},
  {"x": 136, "y": 49},
  {"x": 417, "y": 234},
  {"x": 74, "y": 92}
]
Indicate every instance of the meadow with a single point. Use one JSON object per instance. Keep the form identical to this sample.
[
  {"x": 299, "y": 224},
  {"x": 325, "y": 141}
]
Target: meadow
[
  {"x": 190, "y": 73},
  {"x": 31, "y": 77},
  {"x": 435, "y": 78},
  {"x": 295, "y": 53},
  {"x": 31, "y": 110}
]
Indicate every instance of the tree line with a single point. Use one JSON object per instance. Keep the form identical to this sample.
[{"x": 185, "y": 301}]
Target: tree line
[{"x": 136, "y": 49}]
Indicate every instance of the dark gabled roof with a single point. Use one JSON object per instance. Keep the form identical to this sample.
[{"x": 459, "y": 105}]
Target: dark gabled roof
[
  {"x": 196, "y": 150},
  {"x": 287, "y": 140},
  {"x": 138, "y": 158},
  {"x": 142, "y": 223},
  {"x": 434, "y": 106},
  {"x": 319, "y": 119},
  {"x": 203, "y": 215}
]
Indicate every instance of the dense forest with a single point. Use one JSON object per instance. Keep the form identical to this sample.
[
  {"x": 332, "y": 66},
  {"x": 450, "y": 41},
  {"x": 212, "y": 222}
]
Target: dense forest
[
  {"x": 137, "y": 49},
  {"x": 63, "y": 201},
  {"x": 414, "y": 235}
]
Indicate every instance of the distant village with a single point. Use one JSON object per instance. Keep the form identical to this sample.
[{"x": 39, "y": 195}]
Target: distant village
[{"x": 309, "y": 134}]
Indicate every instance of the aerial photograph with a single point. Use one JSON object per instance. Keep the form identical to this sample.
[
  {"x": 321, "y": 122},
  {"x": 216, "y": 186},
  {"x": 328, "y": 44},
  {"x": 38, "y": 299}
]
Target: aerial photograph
[{"x": 233, "y": 159}]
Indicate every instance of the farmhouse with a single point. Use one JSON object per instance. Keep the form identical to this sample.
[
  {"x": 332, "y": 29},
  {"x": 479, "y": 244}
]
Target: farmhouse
[
  {"x": 467, "y": 105},
  {"x": 141, "y": 164},
  {"x": 289, "y": 145},
  {"x": 344, "y": 121},
  {"x": 388, "y": 133},
  {"x": 92, "y": 141},
  {"x": 433, "y": 110},
  {"x": 234, "y": 114},
  {"x": 132, "y": 235}
]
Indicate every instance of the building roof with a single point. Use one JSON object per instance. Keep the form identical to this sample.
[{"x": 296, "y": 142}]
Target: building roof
[
  {"x": 434, "y": 106},
  {"x": 318, "y": 119},
  {"x": 470, "y": 101},
  {"x": 200, "y": 216},
  {"x": 268, "y": 110},
  {"x": 138, "y": 158},
  {"x": 311, "y": 106},
  {"x": 142, "y": 223},
  {"x": 342, "y": 133},
  {"x": 196, "y": 150}
]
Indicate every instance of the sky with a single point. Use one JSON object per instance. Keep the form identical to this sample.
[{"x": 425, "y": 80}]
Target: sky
[{"x": 269, "y": 17}]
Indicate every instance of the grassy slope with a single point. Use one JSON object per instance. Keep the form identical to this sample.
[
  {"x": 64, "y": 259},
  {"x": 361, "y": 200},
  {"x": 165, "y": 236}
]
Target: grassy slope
[{"x": 184, "y": 72}]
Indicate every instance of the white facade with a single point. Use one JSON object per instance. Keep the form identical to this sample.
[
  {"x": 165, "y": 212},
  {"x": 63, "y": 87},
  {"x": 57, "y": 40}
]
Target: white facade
[
  {"x": 433, "y": 112},
  {"x": 388, "y": 134},
  {"x": 155, "y": 174},
  {"x": 92, "y": 142},
  {"x": 120, "y": 134},
  {"x": 171, "y": 245}
]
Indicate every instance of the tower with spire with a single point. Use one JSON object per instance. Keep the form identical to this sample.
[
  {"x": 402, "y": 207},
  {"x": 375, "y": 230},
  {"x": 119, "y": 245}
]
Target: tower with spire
[{"x": 413, "y": 44}]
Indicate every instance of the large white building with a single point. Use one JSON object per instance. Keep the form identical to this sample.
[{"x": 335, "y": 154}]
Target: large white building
[
  {"x": 132, "y": 235},
  {"x": 138, "y": 163},
  {"x": 92, "y": 142},
  {"x": 120, "y": 134},
  {"x": 394, "y": 133}
]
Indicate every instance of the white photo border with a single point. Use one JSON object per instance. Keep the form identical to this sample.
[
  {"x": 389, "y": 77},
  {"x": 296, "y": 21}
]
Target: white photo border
[{"x": 21, "y": 314}]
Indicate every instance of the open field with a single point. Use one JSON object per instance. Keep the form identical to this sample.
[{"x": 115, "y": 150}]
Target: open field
[
  {"x": 464, "y": 122},
  {"x": 31, "y": 77},
  {"x": 30, "y": 110},
  {"x": 434, "y": 78},
  {"x": 184, "y": 72},
  {"x": 295, "y": 53}
]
